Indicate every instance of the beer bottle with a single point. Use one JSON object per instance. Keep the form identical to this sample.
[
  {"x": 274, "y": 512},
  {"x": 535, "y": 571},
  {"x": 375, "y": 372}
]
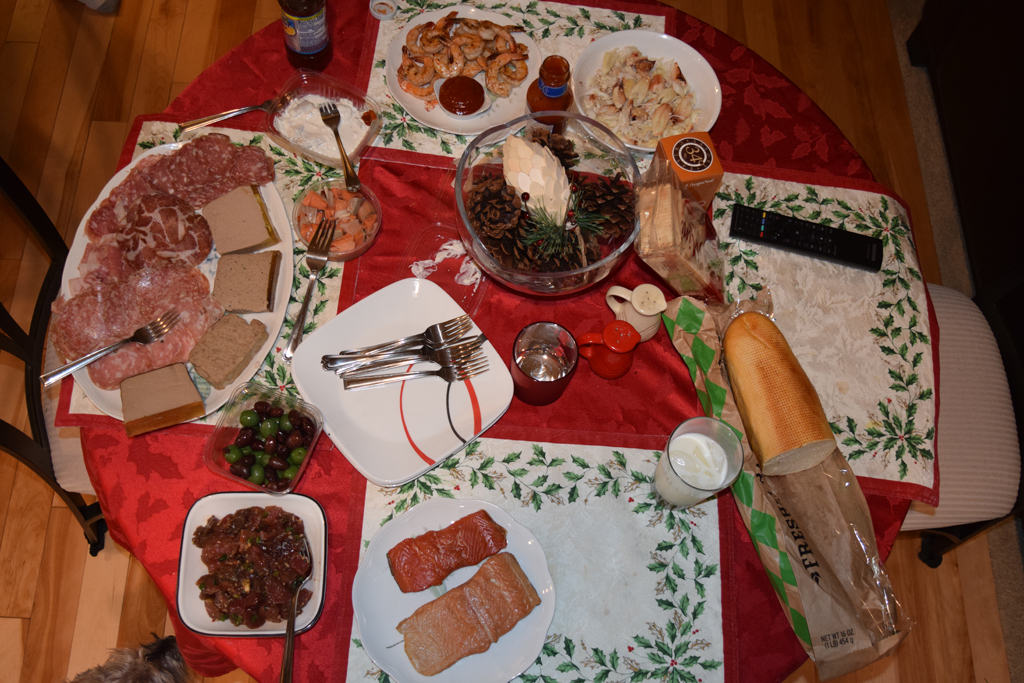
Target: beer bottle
[
  {"x": 551, "y": 92},
  {"x": 306, "y": 35}
]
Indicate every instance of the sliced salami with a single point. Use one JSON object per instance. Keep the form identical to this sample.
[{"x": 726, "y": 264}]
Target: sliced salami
[
  {"x": 108, "y": 216},
  {"x": 114, "y": 310},
  {"x": 160, "y": 227},
  {"x": 101, "y": 262},
  {"x": 197, "y": 316},
  {"x": 204, "y": 161},
  {"x": 209, "y": 167},
  {"x": 252, "y": 166},
  {"x": 199, "y": 172}
]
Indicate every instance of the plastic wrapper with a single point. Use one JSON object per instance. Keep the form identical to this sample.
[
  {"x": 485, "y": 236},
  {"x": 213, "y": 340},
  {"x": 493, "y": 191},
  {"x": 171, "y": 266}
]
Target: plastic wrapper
[
  {"x": 812, "y": 529},
  {"x": 676, "y": 238}
]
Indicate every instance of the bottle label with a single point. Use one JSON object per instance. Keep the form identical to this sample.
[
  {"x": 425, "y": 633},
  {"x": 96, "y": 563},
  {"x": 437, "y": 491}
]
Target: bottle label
[
  {"x": 305, "y": 35},
  {"x": 553, "y": 91}
]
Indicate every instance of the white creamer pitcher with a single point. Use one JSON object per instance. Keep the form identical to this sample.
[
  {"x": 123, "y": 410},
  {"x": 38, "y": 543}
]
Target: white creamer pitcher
[{"x": 640, "y": 307}]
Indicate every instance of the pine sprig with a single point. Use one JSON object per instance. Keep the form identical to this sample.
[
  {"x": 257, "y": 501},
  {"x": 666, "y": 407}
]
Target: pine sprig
[
  {"x": 553, "y": 237},
  {"x": 549, "y": 234}
]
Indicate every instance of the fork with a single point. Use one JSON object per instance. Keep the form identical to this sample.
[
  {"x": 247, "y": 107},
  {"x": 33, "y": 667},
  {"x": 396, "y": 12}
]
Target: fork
[
  {"x": 146, "y": 334},
  {"x": 331, "y": 118},
  {"x": 289, "y": 637},
  {"x": 435, "y": 336},
  {"x": 316, "y": 259},
  {"x": 207, "y": 120},
  {"x": 463, "y": 370},
  {"x": 449, "y": 355}
]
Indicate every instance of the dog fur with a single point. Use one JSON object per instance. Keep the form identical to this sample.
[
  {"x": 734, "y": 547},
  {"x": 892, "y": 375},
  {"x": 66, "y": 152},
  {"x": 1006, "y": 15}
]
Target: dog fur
[{"x": 157, "y": 662}]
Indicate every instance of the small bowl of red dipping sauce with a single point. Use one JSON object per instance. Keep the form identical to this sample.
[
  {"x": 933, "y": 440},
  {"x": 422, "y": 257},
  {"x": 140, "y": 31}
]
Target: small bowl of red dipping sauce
[
  {"x": 462, "y": 97},
  {"x": 357, "y": 214}
]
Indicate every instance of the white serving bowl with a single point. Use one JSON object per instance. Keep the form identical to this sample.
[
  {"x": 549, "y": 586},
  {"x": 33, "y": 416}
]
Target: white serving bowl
[{"x": 697, "y": 71}]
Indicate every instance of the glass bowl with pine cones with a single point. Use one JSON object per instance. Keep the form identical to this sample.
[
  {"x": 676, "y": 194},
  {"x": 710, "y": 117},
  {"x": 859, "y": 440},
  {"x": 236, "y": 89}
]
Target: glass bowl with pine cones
[{"x": 543, "y": 213}]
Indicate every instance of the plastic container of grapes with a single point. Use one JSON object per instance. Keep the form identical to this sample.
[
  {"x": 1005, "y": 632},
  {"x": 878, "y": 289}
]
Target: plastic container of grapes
[{"x": 224, "y": 434}]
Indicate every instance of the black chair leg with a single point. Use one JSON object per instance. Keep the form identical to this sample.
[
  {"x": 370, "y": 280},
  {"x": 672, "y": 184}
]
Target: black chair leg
[
  {"x": 937, "y": 542},
  {"x": 917, "y": 47},
  {"x": 99, "y": 531}
]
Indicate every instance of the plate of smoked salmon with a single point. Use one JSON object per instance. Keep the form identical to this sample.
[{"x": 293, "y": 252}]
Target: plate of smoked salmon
[
  {"x": 396, "y": 432},
  {"x": 453, "y": 591}
]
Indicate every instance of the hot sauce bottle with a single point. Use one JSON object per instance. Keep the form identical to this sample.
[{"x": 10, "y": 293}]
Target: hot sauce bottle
[
  {"x": 306, "y": 35},
  {"x": 551, "y": 92}
]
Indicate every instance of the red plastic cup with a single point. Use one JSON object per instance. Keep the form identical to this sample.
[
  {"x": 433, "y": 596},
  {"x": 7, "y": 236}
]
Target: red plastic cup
[{"x": 544, "y": 358}]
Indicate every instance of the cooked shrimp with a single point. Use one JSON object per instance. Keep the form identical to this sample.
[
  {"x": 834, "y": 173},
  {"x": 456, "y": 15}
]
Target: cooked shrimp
[
  {"x": 449, "y": 61},
  {"x": 412, "y": 39},
  {"x": 488, "y": 29},
  {"x": 474, "y": 66},
  {"x": 517, "y": 70},
  {"x": 415, "y": 70},
  {"x": 467, "y": 25},
  {"x": 503, "y": 40},
  {"x": 495, "y": 83},
  {"x": 421, "y": 92},
  {"x": 471, "y": 44},
  {"x": 431, "y": 38}
]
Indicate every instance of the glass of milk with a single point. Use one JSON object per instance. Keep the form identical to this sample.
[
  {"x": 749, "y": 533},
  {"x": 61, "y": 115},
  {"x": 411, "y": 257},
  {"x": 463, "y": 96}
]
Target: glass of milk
[{"x": 703, "y": 456}]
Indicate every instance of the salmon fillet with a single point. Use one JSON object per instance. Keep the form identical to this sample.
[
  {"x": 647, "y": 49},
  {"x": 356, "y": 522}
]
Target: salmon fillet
[
  {"x": 420, "y": 562},
  {"x": 468, "y": 619}
]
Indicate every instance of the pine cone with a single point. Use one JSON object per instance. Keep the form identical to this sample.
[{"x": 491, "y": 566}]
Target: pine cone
[
  {"x": 494, "y": 208},
  {"x": 612, "y": 199},
  {"x": 562, "y": 147}
]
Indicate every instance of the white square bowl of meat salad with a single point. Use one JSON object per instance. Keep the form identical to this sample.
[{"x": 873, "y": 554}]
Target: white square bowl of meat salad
[{"x": 192, "y": 609}]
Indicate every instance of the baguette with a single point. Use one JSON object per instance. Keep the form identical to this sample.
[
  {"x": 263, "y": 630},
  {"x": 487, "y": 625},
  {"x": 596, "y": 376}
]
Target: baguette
[{"x": 785, "y": 423}]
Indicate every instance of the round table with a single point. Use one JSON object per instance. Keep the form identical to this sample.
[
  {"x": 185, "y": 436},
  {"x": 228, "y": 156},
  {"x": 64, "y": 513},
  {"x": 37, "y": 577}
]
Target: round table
[{"x": 764, "y": 123}]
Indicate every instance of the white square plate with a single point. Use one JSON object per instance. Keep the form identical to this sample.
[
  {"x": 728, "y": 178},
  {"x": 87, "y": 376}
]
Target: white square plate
[
  {"x": 379, "y": 604},
  {"x": 191, "y": 609},
  {"x": 395, "y": 432}
]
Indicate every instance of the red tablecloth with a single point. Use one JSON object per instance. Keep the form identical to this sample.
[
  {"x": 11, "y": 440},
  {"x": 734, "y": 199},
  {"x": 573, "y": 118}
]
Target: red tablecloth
[{"x": 147, "y": 484}]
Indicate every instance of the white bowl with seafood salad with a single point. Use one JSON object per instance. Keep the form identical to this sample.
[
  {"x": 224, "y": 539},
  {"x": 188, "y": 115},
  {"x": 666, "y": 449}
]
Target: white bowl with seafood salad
[
  {"x": 294, "y": 120},
  {"x": 640, "y": 67}
]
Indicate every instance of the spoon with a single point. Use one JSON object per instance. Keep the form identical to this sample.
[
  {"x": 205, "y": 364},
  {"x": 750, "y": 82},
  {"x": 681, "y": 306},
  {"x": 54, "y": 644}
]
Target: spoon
[
  {"x": 289, "y": 637},
  {"x": 207, "y": 120}
]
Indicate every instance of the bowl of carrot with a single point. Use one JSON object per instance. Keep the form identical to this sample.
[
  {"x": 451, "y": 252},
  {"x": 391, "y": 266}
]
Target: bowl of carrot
[{"x": 357, "y": 214}]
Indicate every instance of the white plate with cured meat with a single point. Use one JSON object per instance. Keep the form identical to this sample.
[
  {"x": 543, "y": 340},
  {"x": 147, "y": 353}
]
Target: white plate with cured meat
[
  {"x": 395, "y": 432},
  {"x": 380, "y": 605},
  {"x": 191, "y": 568},
  {"x": 109, "y": 400},
  {"x": 503, "y": 108}
]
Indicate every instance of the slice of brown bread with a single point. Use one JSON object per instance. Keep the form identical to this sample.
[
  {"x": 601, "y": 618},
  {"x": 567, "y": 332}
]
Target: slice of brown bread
[
  {"x": 245, "y": 283},
  {"x": 226, "y": 348},
  {"x": 239, "y": 222},
  {"x": 159, "y": 398}
]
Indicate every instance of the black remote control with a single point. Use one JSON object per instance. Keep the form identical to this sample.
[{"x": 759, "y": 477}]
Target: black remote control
[{"x": 803, "y": 237}]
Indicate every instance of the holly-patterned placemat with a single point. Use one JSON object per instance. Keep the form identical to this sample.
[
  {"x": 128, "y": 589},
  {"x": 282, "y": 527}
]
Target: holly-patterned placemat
[
  {"x": 293, "y": 175},
  {"x": 557, "y": 28},
  {"x": 646, "y": 606},
  {"x": 863, "y": 338}
]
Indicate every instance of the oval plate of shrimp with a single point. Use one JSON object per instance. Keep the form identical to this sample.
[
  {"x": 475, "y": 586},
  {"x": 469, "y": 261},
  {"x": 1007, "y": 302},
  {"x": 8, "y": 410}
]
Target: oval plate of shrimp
[
  {"x": 467, "y": 42},
  {"x": 646, "y": 86}
]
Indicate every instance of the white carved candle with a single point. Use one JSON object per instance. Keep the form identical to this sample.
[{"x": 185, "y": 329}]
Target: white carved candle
[{"x": 532, "y": 169}]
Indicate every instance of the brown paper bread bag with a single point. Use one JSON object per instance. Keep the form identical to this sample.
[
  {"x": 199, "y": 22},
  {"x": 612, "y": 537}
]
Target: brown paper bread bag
[{"x": 812, "y": 529}]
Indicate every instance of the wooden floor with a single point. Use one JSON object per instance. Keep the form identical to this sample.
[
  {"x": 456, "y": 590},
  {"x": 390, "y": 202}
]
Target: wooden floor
[{"x": 72, "y": 82}]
